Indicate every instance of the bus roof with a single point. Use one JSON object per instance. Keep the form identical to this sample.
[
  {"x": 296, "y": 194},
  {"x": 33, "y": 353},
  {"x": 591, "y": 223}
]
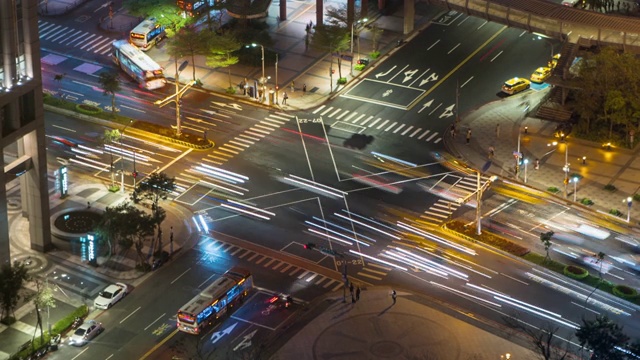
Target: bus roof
[
  {"x": 144, "y": 27},
  {"x": 215, "y": 291},
  {"x": 136, "y": 55}
]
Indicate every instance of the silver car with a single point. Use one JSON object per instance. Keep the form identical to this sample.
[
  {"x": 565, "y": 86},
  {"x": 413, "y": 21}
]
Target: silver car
[{"x": 85, "y": 332}]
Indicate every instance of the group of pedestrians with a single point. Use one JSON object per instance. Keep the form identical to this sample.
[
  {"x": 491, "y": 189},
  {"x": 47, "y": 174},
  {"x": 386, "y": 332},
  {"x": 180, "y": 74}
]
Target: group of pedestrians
[{"x": 355, "y": 293}]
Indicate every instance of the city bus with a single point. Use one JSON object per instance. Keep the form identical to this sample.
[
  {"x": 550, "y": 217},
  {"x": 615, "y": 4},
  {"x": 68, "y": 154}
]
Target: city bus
[
  {"x": 138, "y": 65},
  {"x": 147, "y": 34},
  {"x": 206, "y": 308}
]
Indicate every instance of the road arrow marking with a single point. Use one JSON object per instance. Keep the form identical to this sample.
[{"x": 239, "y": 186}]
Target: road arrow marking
[
  {"x": 432, "y": 77},
  {"x": 408, "y": 75},
  {"x": 448, "y": 111},
  {"x": 425, "y": 105},
  {"x": 219, "y": 334},
  {"x": 246, "y": 341},
  {"x": 386, "y": 72}
]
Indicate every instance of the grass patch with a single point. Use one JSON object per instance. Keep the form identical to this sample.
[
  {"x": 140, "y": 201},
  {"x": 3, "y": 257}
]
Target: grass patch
[
  {"x": 610, "y": 188},
  {"x": 586, "y": 202},
  {"x": 553, "y": 189},
  {"x": 374, "y": 54},
  {"x": 342, "y": 81},
  {"x": 359, "y": 67},
  {"x": 489, "y": 239},
  {"x": 615, "y": 212}
]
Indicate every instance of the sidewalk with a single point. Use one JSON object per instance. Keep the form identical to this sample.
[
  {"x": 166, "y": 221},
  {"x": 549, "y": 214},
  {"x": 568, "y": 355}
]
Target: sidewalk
[
  {"x": 375, "y": 328},
  {"x": 618, "y": 167}
]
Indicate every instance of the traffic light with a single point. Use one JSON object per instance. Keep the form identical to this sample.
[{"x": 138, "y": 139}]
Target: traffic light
[
  {"x": 134, "y": 174},
  {"x": 309, "y": 246}
]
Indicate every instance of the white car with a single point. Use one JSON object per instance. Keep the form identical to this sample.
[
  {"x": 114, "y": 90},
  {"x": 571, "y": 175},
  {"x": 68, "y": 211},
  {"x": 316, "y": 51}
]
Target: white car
[
  {"x": 85, "y": 332},
  {"x": 110, "y": 295}
]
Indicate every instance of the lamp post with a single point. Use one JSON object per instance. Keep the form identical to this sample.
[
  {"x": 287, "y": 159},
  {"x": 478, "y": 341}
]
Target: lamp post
[
  {"x": 353, "y": 25},
  {"x": 178, "y": 96},
  {"x": 277, "y": 87},
  {"x": 518, "y": 156},
  {"x": 526, "y": 161},
  {"x": 548, "y": 42},
  {"x": 479, "y": 191},
  {"x": 629, "y": 201},
  {"x": 574, "y": 180},
  {"x": 262, "y": 79},
  {"x": 122, "y": 162},
  {"x": 566, "y": 169}
]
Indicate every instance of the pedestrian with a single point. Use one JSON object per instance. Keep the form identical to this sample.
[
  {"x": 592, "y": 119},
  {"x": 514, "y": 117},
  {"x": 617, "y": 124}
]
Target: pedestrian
[
  {"x": 310, "y": 24},
  {"x": 537, "y": 166},
  {"x": 358, "y": 293},
  {"x": 353, "y": 299},
  {"x": 88, "y": 205},
  {"x": 468, "y": 136},
  {"x": 293, "y": 86},
  {"x": 351, "y": 288},
  {"x": 492, "y": 152},
  {"x": 284, "y": 98},
  {"x": 304, "y": 89},
  {"x": 393, "y": 296},
  {"x": 497, "y": 130},
  {"x": 453, "y": 131}
]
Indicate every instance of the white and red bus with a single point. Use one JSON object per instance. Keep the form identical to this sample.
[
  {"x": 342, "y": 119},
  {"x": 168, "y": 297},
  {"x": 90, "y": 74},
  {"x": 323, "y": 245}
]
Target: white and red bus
[
  {"x": 227, "y": 292},
  {"x": 138, "y": 65},
  {"x": 147, "y": 34}
]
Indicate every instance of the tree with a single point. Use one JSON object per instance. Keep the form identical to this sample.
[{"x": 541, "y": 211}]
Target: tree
[
  {"x": 333, "y": 39},
  {"x": 220, "y": 52},
  {"x": 108, "y": 138},
  {"x": 602, "y": 336},
  {"x": 546, "y": 241},
  {"x": 544, "y": 338},
  {"x": 119, "y": 226},
  {"x": 12, "y": 279},
  {"x": 189, "y": 42},
  {"x": 41, "y": 299},
  {"x": 110, "y": 84},
  {"x": 156, "y": 187}
]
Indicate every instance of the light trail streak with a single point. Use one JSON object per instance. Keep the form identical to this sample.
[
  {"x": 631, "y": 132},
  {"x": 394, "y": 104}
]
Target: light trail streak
[
  {"x": 367, "y": 226},
  {"x": 244, "y": 211},
  {"x": 378, "y": 260}
]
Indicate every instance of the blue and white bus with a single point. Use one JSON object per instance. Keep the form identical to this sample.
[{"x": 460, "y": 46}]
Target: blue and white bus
[
  {"x": 217, "y": 299},
  {"x": 147, "y": 34},
  {"x": 138, "y": 65}
]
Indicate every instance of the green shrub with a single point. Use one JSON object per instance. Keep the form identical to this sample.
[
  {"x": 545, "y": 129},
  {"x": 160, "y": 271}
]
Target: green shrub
[
  {"x": 610, "y": 188},
  {"x": 9, "y": 320},
  {"x": 359, "y": 67},
  {"x": 553, "y": 189},
  {"x": 636, "y": 197},
  {"x": 88, "y": 109},
  {"x": 615, "y": 212},
  {"x": 231, "y": 90},
  {"x": 374, "y": 54},
  {"x": 342, "y": 81},
  {"x": 114, "y": 188},
  {"x": 586, "y": 201},
  {"x": 575, "y": 272},
  {"x": 625, "y": 292},
  {"x": 541, "y": 260}
]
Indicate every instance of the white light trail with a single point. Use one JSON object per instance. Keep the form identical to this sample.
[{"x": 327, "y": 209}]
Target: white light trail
[
  {"x": 495, "y": 293},
  {"x": 221, "y": 187},
  {"x": 343, "y": 228},
  {"x": 219, "y": 175},
  {"x": 465, "y": 294},
  {"x": 251, "y": 207},
  {"x": 313, "y": 187},
  {"x": 330, "y": 237},
  {"x": 393, "y": 159},
  {"x": 410, "y": 262},
  {"x": 378, "y": 260},
  {"x": 445, "y": 268},
  {"x": 367, "y": 226},
  {"x": 437, "y": 239},
  {"x": 244, "y": 211},
  {"x": 101, "y": 168}
]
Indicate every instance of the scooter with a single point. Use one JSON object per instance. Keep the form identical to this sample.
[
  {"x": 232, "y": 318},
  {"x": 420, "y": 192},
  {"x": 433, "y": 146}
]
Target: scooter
[{"x": 77, "y": 322}]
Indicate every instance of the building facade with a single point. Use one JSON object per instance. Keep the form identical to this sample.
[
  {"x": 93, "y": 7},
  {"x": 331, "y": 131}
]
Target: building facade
[{"x": 22, "y": 138}]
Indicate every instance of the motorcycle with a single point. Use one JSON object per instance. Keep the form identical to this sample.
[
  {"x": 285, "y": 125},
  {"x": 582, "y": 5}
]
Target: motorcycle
[
  {"x": 54, "y": 342},
  {"x": 276, "y": 302},
  {"x": 77, "y": 322}
]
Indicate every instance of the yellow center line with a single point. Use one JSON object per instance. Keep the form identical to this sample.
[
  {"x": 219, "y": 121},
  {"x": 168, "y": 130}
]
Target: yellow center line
[
  {"x": 148, "y": 353},
  {"x": 456, "y": 68}
]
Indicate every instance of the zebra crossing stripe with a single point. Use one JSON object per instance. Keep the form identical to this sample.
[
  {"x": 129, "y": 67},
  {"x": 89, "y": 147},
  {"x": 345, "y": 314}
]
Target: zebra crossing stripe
[
  {"x": 303, "y": 274},
  {"x": 94, "y": 41},
  {"x": 237, "y": 251},
  {"x": 379, "y": 266},
  {"x": 269, "y": 263},
  {"x": 423, "y": 134},
  {"x": 326, "y": 111},
  {"x": 432, "y": 136},
  {"x": 335, "y": 112},
  {"x": 374, "y": 122},
  {"x": 249, "y": 137},
  {"x": 286, "y": 268},
  {"x": 381, "y": 125},
  {"x": 45, "y": 33},
  {"x": 63, "y": 34},
  {"x": 415, "y": 132},
  {"x": 248, "y": 131},
  {"x": 258, "y": 130},
  {"x": 407, "y": 130},
  {"x": 350, "y": 116},
  {"x": 214, "y": 161},
  {"x": 391, "y": 126},
  {"x": 343, "y": 114},
  {"x": 398, "y": 129},
  {"x": 76, "y": 39},
  {"x": 263, "y": 258},
  {"x": 277, "y": 265},
  {"x": 444, "y": 216},
  {"x": 366, "y": 121},
  {"x": 242, "y": 141},
  {"x": 318, "y": 109},
  {"x": 63, "y": 31},
  {"x": 311, "y": 277},
  {"x": 369, "y": 276},
  {"x": 91, "y": 36},
  {"x": 99, "y": 47},
  {"x": 239, "y": 143},
  {"x": 437, "y": 140},
  {"x": 295, "y": 270},
  {"x": 329, "y": 283},
  {"x": 219, "y": 247},
  {"x": 375, "y": 271},
  {"x": 245, "y": 254},
  {"x": 358, "y": 119},
  {"x": 337, "y": 287},
  {"x": 45, "y": 27},
  {"x": 253, "y": 257},
  {"x": 224, "y": 148},
  {"x": 263, "y": 127}
]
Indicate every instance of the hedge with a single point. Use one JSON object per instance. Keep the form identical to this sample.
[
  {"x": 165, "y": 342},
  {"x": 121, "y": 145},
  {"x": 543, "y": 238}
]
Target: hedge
[
  {"x": 488, "y": 238},
  {"x": 88, "y": 109},
  {"x": 575, "y": 272},
  {"x": 625, "y": 292}
]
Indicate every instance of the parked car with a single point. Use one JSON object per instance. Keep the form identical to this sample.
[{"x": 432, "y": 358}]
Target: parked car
[
  {"x": 540, "y": 75},
  {"x": 515, "y": 85},
  {"x": 85, "y": 333},
  {"x": 110, "y": 295}
]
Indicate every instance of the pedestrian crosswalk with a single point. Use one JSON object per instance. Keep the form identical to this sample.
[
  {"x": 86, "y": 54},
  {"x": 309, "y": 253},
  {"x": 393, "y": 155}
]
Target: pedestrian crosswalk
[
  {"x": 442, "y": 209},
  {"x": 284, "y": 268},
  {"x": 374, "y": 271},
  {"x": 354, "y": 122},
  {"x": 70, "y": 37}
]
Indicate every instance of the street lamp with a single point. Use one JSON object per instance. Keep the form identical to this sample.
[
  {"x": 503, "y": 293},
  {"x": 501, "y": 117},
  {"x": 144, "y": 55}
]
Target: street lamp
[
  {"x": 479, "y": 191},
  {"x": 353, "y": 25},
  {"x": 176, "y": 97},
  {"x": 262, "y": 80},
  {"x": 526, "y": 161},
  {"x": 566, "y": 169},
  {"x": 629, "y": 201},
  {"x": 574, "y": 180},
  {"x": 122, "y": 162},
  {"x": 541, "y": 37}
]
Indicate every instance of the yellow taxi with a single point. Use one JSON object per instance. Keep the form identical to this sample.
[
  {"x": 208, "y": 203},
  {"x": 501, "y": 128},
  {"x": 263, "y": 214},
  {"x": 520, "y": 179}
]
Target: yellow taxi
[
  {"x": 540, "y": 75},
  {"x": 515, "y": 85},
  {"x": 554, "y": 61}
]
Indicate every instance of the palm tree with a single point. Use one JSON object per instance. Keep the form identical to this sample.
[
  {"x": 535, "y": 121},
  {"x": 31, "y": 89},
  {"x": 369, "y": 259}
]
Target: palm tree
[
  {"x": 110, "y": 85},
  {"x": 109, "y": 137}
]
